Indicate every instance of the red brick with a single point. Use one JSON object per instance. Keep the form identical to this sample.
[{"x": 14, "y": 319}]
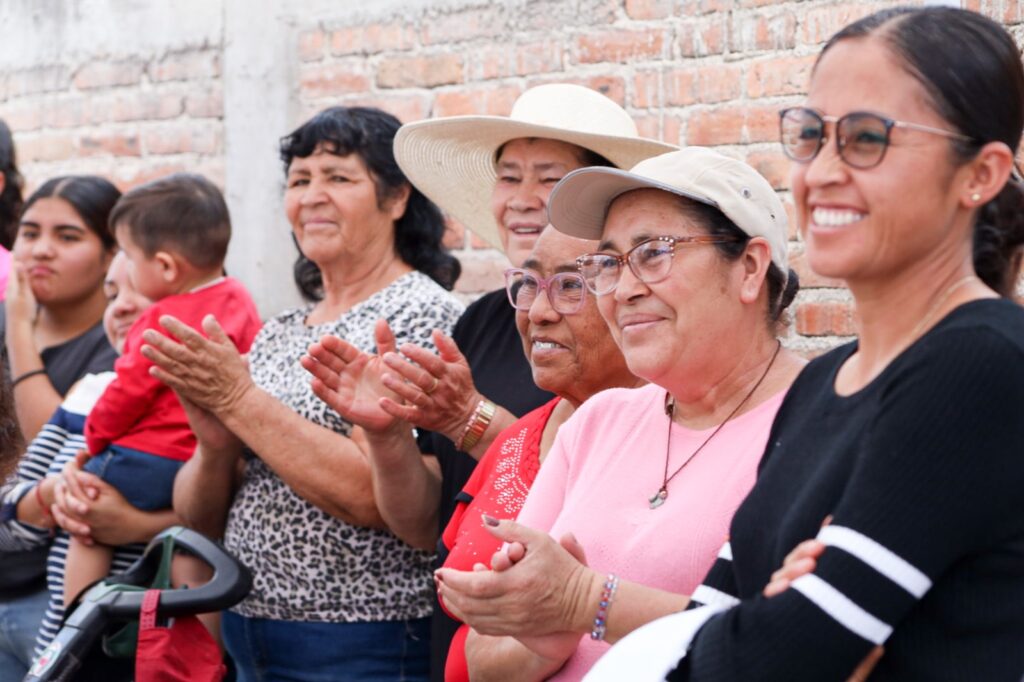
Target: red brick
[
  {"x": 420, "y": 71},
  {"x": 505, "y": 61},
  {"x": 826, "y": 318},
  {"x": 648, "y": 9},
  {"x": 689, "y": 8},
  {"x": 621, "y": 45},
  {"x": 671, "y": 130},
  {"x": 311, "y": 45},
  {"x": 51, "y": 78},
  {"x": 24, "y": 116},
  {"x": 495, "y": 100},
  {"x": 182, "y": 139},
  {"x": 66, "y": 112},
  {"x": 468, "y": 24},
  {"x": 126, "y": 177},
  {"x": 647, "y": 89},
  {"x": 733, "y": 124},
  {"x": 332, "y": 80},
  {"x": 184, "y": 66},
  {"x": 372, "y": 38},
  {"x": 407, "y": 108},
  {"x": 818, "y": 25},
  {"x": 703, "y": 84},
  {"x": 648, "y": 126},
  {"x": 809, "y": 279},
  {"x": 754, "y": 32},
  {"x": 779, "y": 76},
  {"x": 135, "y": 105},
  {"x": 774, "y": 166},
  {"x": 44, "y": 147},
  {"x": 703, "y": 37},
  {"x": 112, "y": 143},
  {"x": 108, "y": 74},
  {"x": 208, "y": 104}
]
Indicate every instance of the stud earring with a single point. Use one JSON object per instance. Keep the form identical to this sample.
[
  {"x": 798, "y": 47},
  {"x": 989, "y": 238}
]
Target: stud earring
[{"x": 976, "y": 197}]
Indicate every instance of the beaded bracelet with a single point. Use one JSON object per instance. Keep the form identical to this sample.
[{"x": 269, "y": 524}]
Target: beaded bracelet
[{"x": 601, "y": 619}]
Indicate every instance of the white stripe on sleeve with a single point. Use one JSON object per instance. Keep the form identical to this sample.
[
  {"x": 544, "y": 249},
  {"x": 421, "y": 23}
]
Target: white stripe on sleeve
[
  {"x": 725, "y": 552},
  {"x": 709, "y": 596},
  {"x": 841, "y": 609},
  {"x": 886, "y": 562}
]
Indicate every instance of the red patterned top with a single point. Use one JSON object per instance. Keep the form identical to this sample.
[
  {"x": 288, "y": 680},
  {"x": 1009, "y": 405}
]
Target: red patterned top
[{"x": 498, "y": 487}]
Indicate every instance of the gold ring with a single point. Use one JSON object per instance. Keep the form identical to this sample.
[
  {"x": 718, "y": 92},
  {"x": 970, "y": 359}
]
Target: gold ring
[{"x": 434, "y": 387}]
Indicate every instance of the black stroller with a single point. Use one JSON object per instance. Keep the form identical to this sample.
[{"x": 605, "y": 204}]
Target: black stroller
[{"x": 111, "y": 603}]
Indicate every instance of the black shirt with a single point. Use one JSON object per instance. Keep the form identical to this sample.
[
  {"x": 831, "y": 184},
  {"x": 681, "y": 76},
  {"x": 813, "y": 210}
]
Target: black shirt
[
  {"x": 923, "y": 473},
  {"x": 487, "y": 335}
]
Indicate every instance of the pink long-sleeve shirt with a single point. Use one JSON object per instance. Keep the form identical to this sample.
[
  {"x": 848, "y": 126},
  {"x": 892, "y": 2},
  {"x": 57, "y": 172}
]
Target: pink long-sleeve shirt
[{"x": 605, "y": 464}]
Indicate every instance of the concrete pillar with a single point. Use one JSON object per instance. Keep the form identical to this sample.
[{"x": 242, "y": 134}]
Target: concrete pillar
[{"x": 259, "y": 107}]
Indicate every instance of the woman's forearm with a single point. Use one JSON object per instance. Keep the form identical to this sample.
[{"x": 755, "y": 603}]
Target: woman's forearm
[
  {"x": 406, "y": 486},
  {"x": 502, "y": 419},
  {"x": 203, "y": 490},
  {"x": 325, "y": 468},
  {"x": 505, "y": 659},
  {"x": 35, "y": 398},
  {"x": 634, "y": 606}
]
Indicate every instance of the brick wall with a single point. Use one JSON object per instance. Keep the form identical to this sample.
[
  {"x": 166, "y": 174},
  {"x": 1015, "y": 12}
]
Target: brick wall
[{"x": 708, "y": 72}]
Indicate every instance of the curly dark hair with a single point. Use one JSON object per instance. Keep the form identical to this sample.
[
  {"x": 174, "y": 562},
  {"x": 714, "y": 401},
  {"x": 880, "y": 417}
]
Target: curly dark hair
[
  {"x": 369, "y": 133},
  {"x": 10, "y": 197}
]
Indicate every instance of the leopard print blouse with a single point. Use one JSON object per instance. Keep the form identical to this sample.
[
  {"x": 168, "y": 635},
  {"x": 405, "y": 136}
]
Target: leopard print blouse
[{"x": 307, "y": 565}]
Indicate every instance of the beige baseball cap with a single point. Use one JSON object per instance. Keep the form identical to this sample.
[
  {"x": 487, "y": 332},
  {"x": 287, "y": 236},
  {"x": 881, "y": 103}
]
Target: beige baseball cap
[{"x": 579, "y": 202}]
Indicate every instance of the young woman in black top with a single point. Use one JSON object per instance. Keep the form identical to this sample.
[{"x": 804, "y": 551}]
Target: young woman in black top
[{"x": 908, "y": 439}]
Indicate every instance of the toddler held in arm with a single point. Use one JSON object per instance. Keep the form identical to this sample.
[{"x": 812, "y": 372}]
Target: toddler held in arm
[{"x": 174, "y": 232}]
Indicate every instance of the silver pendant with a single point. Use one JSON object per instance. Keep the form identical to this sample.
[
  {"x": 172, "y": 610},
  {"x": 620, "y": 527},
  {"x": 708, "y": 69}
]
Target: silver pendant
[{"x": 658, "y": 498}]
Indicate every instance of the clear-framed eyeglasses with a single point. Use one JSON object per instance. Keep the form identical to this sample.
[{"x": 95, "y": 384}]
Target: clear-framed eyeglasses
[
  {"x": 566, "y": 291},
  {"x": 650, "y": 261}
]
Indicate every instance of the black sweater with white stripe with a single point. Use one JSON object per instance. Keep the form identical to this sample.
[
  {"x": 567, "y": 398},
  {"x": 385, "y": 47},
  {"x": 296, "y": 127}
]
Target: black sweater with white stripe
[{"x": 923, "y": 473}]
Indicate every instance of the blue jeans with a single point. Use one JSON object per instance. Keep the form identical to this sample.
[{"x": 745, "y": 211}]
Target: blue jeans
[
  {"x": 145, "y": 480},
  {"x": 19, "y": 624},
  {"x": 277, "y": 651}
]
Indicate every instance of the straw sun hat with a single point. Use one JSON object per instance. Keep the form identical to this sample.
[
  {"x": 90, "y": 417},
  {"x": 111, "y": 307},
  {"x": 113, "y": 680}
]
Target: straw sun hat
[{"x": 452, "y": 160}]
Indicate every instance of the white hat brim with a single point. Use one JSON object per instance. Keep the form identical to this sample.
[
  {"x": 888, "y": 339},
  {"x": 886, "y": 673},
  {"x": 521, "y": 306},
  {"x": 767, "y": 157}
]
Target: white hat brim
[
  {"x": 452, "y": 160},
  {"x": 579, "y": 203}
]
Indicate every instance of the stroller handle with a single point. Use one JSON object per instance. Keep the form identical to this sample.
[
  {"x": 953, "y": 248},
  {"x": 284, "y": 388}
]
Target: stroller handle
[{"x": 230, "y": 583}]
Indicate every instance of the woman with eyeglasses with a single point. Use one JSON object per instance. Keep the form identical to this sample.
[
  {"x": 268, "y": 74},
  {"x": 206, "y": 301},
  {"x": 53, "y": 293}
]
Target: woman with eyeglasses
[
  {"x": 691, "y": 277},
  {"x": 908, "y": 439},
  {"x": 571, "y": 355}
]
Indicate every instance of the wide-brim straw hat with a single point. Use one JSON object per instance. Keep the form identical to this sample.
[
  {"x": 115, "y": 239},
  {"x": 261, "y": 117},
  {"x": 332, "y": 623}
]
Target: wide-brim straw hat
[{"x": 452, "y": 160}]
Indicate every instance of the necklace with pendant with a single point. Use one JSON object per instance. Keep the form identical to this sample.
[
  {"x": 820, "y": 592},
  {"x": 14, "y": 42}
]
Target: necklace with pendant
[{"x": 658, "y": 498}]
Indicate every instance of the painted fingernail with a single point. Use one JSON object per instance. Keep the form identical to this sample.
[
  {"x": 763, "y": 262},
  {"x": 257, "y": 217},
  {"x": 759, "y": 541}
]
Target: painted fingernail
[{"x": 490, "y": 520}]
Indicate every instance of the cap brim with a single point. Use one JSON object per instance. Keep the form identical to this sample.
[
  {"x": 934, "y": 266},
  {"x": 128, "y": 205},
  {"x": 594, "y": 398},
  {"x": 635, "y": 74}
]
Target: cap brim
[
  {"x": 451, "y": 160},
  {"x": 579, "y": 203}
]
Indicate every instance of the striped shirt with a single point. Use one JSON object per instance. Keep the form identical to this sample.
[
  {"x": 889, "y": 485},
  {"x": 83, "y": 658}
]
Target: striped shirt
[
  {"x": 57, "y": 443},
  {"x": 922, "y": 473}
]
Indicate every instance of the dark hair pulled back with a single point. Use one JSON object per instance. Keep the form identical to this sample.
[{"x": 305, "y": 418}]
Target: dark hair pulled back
[
  {"x": 369, "y": 133},
  {"x": 781, "y": 289},
  {"x": 971, "y": 69},
  {"x": 10, "y": 197},
  {"x": 91, "y": 196}
]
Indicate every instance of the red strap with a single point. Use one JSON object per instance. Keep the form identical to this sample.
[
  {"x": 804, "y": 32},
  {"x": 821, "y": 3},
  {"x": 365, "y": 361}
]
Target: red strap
[{"x": 147, "y": 617}]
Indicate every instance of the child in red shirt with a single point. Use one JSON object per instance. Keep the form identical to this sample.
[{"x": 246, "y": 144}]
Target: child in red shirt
[{"x": 175, "y": 233}]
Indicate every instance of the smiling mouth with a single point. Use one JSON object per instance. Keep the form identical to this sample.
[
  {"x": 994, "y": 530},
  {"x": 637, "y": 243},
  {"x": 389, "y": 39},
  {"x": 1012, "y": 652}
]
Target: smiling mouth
[
  {"x": 831, "y": 217},
  {"x": 524, "y": 231},
  {"x": 546, "y": 345}
]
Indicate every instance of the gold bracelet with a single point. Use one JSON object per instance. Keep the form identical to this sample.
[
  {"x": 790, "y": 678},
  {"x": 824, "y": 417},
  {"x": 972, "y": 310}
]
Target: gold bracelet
[{"x": 477, "y": 425}]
